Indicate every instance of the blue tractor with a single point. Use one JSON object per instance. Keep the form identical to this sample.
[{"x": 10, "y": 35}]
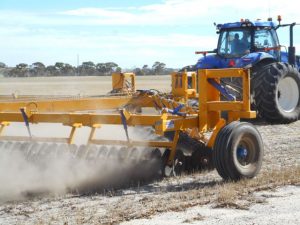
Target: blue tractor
[{"x": 275, "y": 80}]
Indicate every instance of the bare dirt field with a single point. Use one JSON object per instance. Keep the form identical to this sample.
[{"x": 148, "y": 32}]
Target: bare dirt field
[
  {"x": 272, "y": 197},
  {"x": 74, "y": 85}
]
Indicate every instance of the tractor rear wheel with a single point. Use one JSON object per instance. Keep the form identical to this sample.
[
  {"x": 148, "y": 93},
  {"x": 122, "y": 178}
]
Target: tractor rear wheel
[
  {"x": 276, "y": 92},
  {"x": 238, "y": 151}
]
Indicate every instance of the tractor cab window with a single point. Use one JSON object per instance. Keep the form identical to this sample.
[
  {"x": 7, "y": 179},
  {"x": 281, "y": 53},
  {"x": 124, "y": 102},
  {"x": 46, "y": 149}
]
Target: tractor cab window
[
  {"x": 265, "y": 39},
  {"x": 234, "y": 43}
]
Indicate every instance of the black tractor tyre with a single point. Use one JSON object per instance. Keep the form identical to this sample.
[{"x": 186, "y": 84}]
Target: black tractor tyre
[
  {"x": 275, "y": 88},
  {"x": 238, "y": 151}
]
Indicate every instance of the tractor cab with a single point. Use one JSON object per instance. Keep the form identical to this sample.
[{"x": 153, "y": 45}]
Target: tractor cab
[
  {"x": 242, "y": 38},
  {"x": 243, "y": 44}
]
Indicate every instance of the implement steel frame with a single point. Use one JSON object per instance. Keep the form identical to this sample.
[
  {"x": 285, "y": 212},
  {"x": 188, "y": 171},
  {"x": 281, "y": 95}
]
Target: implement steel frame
[{"x": 84, "y": 112}]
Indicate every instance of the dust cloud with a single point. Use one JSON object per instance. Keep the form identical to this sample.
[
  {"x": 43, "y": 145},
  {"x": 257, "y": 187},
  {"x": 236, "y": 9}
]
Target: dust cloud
[{"x": 37, "y": 169}]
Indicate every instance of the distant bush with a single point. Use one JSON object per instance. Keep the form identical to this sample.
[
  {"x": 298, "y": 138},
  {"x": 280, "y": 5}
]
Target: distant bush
[{"x": 89, "y": 68}]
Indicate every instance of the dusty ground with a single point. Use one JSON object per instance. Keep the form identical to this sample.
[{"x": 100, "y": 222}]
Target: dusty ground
[
  {"x": 200, "y": 198},
  {"x": 279, "y": 206}
]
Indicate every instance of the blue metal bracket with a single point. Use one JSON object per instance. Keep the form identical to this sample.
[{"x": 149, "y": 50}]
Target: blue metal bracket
[
  {"x": 25, "y": 118},
  {"x": 221, "y": 89},
  {"x": 176, "y": 111},
  {"x": 124, "y": 122}
]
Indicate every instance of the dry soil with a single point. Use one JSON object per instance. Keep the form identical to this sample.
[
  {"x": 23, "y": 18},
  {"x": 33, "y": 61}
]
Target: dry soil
[{"x": 200, "y": 198}]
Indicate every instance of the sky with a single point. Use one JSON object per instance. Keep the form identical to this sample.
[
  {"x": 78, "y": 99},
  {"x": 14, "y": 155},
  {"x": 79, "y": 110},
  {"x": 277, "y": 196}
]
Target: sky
[{"x": 131, "y": 33}]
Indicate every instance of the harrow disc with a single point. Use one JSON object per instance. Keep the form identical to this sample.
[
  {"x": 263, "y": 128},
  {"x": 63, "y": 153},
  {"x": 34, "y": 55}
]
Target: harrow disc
[
  {"x": 197, "y": 156},
  {"x": 95, "y": 167}
]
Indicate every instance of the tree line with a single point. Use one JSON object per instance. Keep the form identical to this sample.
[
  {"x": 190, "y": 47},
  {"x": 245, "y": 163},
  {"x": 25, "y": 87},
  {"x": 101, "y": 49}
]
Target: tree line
[{"x": 38, "y": 69}]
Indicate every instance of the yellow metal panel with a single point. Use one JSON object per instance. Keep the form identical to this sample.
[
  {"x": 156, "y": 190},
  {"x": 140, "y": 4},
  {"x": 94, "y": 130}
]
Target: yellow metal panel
[
  {"x": 67, "y": 105},
  {"x": 225, "y": 106},
  {"x": 144, "y": 143},
  {"x": 232, "y": 116},
  {"x": 202, "y": 79},
  {"x": 221, "y": 123},
  {"x": 246, "y": 91},
  {"x": 73, "y": 130},
  {"x": 3, "y": 125},
  {"x": 194, "y": 81},
  {"x": 180, "y": 85},
  {"x": 210, "y": 105},
  {"x": 34, "y": 139},
  {"x": 184, "y": 123},
  {"x": 213, "y": 116},
  {"x": 72, "y": 105},
  {"x": 173, "y": 148},
  {"x": 120, "y": 82},
  {"x": 86, "y": 119},
  {"x": 92, "y": 134},
  {"x": 117, "y": 81},
  {"x": 175, "y": 124},
  {"x": 222, "y": 73}
]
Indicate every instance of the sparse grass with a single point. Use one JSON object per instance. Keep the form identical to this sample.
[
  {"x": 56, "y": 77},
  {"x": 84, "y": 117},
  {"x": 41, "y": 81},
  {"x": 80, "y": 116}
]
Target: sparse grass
[
  {"x": 232, "y": 194},
  {"x": 238, "y": 194},
  {"x": 226, "y": 197}
]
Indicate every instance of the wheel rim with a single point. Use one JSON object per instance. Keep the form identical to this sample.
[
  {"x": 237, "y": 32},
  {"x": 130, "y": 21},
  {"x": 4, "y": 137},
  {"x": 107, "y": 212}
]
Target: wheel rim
[
  {"x": 246, "y": 154},
  {"x": 288, "y": 94},
  {"x": 242, "y": 153}
]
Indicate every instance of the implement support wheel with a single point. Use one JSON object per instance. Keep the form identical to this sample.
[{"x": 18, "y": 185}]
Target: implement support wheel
[{"x": 238, "y": 151}]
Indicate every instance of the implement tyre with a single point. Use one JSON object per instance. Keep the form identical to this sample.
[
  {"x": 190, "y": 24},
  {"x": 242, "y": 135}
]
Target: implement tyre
[
  {"x": 276, "y": 91},
  {"x": 238, "y": 151}
]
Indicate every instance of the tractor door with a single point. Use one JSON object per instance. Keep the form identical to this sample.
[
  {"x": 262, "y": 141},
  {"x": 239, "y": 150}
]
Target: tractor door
[
  {"x": 234, "y": 43},
  {"x": 266, "y": 40}
]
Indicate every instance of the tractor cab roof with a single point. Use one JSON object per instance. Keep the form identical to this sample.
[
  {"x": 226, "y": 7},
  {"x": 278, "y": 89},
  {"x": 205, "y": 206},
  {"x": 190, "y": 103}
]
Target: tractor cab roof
[{"x": 246, "y": 23}]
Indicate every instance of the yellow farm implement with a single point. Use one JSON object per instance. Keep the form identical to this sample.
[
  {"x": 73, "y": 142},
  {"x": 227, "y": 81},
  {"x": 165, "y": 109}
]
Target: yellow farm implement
[{"x": 185, "y": 134}]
